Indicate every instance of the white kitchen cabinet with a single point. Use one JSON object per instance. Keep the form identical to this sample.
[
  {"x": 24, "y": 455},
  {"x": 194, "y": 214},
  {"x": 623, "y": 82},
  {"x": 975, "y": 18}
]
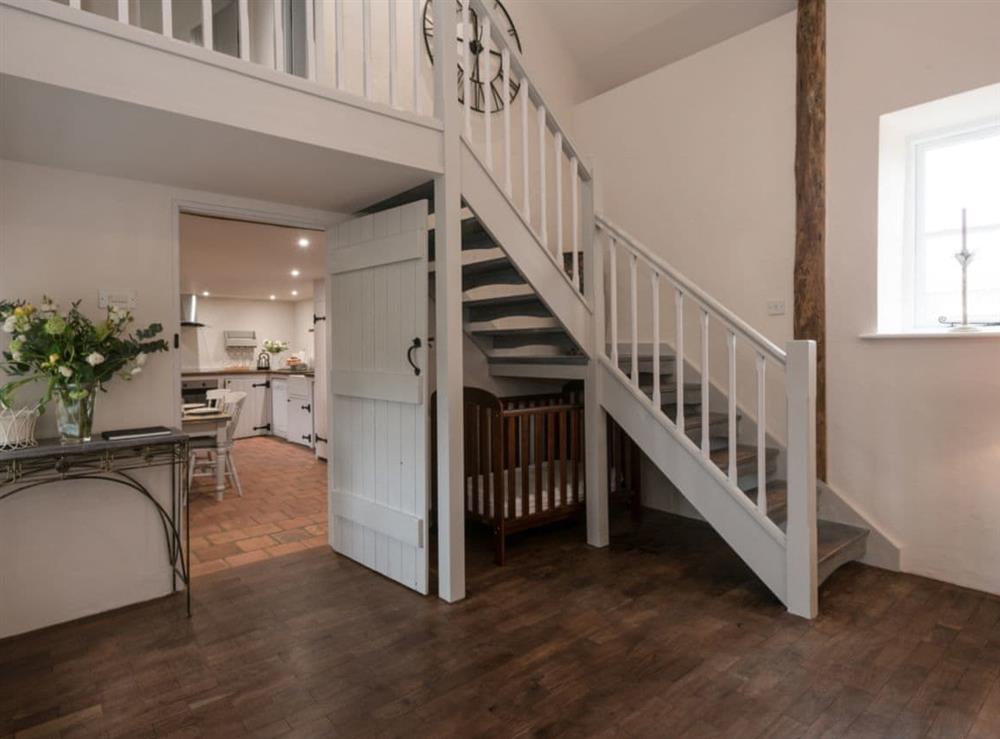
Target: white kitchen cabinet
[
  {"x": 255, "y": 416},
  {"x": 300, "y": 410},
  {"x": 279, "y": 407}
]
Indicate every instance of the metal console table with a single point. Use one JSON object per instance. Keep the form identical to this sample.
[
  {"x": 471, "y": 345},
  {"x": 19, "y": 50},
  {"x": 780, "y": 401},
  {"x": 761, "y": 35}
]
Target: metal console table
[{"x": 114, "y": 462}]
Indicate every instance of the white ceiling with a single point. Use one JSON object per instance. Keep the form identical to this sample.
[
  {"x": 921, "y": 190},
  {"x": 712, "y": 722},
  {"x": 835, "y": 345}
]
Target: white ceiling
[
  {"x": 614, "y": 41},
  {"x": 237, "y": 259},
  {"x": 57, "y": 127}
]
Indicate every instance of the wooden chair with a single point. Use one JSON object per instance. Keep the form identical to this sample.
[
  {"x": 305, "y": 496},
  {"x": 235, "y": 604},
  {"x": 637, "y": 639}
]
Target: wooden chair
[{"x": 205, "y": 451}]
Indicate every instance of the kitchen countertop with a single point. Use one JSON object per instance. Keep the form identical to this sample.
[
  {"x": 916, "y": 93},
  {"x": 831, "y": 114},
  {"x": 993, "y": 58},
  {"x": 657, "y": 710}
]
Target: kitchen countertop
[{"x": 237, "y": 371}]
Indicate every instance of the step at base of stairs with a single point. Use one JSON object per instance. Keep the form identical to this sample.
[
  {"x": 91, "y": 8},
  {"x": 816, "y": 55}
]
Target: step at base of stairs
[
  {"x": 836, "y": 545},
  {"x": 498, "y": 357}
]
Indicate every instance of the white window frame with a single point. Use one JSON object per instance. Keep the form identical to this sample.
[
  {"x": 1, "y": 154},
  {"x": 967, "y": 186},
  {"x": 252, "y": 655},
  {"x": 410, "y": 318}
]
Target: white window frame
[{"x": 913, "y": 272}]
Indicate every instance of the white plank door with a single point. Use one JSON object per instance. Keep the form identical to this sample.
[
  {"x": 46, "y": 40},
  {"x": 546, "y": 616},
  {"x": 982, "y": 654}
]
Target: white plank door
[{"x": 378, "y": 421}]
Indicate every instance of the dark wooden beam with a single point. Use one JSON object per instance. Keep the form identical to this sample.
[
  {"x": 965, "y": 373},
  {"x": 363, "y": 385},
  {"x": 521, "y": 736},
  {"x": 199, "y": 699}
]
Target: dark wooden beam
[{"x": 810, "y": 200}]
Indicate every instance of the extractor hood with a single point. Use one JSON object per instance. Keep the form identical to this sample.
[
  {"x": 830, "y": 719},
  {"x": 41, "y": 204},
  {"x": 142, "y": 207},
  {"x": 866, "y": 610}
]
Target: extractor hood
[
  {"x": 240, "y": 339},
  {"x": 189, "y": 311}
]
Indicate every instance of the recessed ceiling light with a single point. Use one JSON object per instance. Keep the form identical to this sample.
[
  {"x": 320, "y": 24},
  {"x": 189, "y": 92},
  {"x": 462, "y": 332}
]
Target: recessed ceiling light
[
  {"x": 295, "y": 292},
  {"x": 295, "y": 273},
  {"x": 303, "y": 242},
  {"x": 274, "y": 297},
  {"x": 205, "y": 293}
]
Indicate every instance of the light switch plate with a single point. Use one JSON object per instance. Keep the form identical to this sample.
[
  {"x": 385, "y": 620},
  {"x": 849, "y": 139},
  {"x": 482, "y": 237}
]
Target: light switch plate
[
  {"x": 775, "y": 307},
  {"x": 123, "y": 299}
]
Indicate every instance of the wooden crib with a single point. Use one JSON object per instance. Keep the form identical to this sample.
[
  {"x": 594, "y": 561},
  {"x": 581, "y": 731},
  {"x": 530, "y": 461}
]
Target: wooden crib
[{"x": 523, "y": 461}]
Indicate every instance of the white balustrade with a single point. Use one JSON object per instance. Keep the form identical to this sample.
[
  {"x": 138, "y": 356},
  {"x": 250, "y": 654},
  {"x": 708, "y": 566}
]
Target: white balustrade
[
  {"x": 324, "y": 34},
  {"x": 634, "y": 315},
  {"x": 761, "y": 434},
  {"x": 654, "y": 286},
  {"x": 731, "y": 441},
  {"x": 613, "y": 296}
]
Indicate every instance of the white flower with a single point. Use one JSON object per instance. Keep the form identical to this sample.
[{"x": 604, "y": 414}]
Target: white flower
[
  {"x": 66, "y": 371},
  {"x": 140, "y": 359},
  {"x": 95, "y": 358},
  {"x": 16, "y": 356},
  {"x": 10, "y": 324},
  {"x": 135, "y": 371}
]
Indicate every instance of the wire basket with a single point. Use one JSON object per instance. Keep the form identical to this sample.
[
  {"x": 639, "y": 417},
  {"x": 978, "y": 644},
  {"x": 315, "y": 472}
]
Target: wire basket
[{"x": 17, "y": 428}]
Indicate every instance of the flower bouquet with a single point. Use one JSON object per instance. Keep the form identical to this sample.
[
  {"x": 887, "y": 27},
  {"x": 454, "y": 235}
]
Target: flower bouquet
[{"x": 72, "y": 355}]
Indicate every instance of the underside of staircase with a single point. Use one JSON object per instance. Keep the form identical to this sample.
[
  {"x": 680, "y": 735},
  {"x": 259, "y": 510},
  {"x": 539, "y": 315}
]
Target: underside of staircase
[{"x": 526, "y": 316}]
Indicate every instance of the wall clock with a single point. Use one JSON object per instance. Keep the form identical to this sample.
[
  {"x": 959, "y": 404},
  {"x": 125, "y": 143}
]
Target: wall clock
[{"x": 486, "y": 75}]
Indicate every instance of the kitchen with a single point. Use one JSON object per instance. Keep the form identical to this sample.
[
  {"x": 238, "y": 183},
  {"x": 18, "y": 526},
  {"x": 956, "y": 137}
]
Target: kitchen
[{"x": 252, "y": 296}]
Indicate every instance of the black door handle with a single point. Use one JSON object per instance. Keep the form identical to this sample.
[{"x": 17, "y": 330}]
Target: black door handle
[
  {"x": 409, "y": 355},
  {"x": 307, "y": 408}
]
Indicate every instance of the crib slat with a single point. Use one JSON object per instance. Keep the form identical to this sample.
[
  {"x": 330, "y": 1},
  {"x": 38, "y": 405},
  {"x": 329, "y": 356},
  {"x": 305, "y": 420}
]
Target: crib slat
[
  {"x": 511, "y": 501},
  {"x": 525, "y": 424},
  {"x": 550, "y": 423},
  {"x": 539, "y": 456},
  {"x": 576, "y": 456},
  {"x": 563, "y": 487},
  {"x": 484, "y": 462}
]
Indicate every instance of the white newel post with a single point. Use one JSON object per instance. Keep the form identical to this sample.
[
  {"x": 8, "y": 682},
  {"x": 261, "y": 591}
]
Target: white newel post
[
  {"x": 448, "y": 309},
  {"x": 800, "y": 384},
  {"x": 595, "y": 421}
]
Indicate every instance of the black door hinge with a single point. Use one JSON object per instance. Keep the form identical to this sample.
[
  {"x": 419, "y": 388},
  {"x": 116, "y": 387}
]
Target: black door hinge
[
  {"x": 266, "y": 383},
  {"x": 320, "y": 438},
  {"x": 307, "y": 408},
  {"x": 265, "y": 427},
  {"x": 307, "y": 437},
  {"x": 317, "y": 319},
  {"x": 177, "y": 341}
]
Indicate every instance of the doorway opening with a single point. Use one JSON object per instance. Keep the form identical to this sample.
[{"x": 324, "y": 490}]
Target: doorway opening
[{"x": 252, "y": 389}]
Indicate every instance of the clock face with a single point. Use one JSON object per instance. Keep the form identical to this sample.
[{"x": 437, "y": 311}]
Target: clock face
[{"x": 486, "y": 70}]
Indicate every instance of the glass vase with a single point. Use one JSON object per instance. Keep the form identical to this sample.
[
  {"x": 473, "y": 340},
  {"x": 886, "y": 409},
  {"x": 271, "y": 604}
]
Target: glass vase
[{"x": 76, "y": 413}]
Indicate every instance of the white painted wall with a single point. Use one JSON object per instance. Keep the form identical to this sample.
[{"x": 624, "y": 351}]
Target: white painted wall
[
  {"x": 71, "y": 550},
  {"x": 205, "y": 348},
  {"x": 696, "y": 160}
]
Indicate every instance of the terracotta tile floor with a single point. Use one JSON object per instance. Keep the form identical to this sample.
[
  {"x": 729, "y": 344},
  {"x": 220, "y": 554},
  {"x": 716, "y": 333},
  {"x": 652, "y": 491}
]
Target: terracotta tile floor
[{"x": 283, "y": 508}]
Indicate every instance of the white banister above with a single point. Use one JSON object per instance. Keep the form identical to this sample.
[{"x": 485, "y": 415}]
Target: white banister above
[{"x": 697, "y": 294}]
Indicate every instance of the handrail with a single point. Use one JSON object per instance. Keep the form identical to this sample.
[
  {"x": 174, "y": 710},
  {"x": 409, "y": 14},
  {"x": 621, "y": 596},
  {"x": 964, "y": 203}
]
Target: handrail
[
  {"x": 761, "y": 342},
  {"x": 517, "y": 62}
]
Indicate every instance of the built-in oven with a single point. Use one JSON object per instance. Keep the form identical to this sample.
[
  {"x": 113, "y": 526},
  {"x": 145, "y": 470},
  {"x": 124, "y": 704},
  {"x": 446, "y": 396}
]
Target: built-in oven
[{"x": 195, "y": 390}]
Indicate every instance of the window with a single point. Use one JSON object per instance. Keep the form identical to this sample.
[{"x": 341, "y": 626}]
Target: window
[{"x": 952, "y": 172}]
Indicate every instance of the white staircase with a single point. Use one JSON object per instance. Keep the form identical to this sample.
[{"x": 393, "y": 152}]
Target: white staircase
[{"x": 725, "y": 414}]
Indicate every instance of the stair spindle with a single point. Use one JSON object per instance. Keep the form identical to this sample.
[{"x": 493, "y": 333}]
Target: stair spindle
[
  {"x": 654, "y": 286},
  {"x": 574, "y": 175},
  {"x": 488, "y": 94},
  {"x": 731, "y": 345},
  {"x": 466, "y": 37},
  {"x": 392, "y": 53},
  {"x": 417, "y": 40},
  {"x": 542, "y": 204},
  {"x": 279, "y": 37},
  {"x": 76, "y": 4},
  {"x": 339, "y": 19},
  {"x": 761, "y": 436},
  {"x": 244, "y": 27},
  {"x": 557, "y": 154},
  {"x": 634, "y": 314},
  {"x": 508, "y": 184},
  {"x": 366, "y": 33},
  {"x": 705, "y": 441},
  {"x": 613, "y": 297},
  {"x": 525, "y": 179},
  {"x": 123, "y": 14},
  {"x": 207, "y": 30},
  {"x": 679, "y": 359},
  {"x": 167, "y": 14}
]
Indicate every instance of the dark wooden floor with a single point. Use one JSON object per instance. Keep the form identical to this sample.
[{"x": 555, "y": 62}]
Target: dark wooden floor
[{"x": 664, "y": 634}]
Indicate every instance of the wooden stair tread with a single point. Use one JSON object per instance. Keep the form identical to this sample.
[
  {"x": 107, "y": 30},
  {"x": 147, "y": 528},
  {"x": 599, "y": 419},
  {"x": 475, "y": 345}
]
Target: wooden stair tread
[
  {"x": 745, "y": 454},
  {"x": 833, "y": 538},
  {"x": 777, "y": 499}
]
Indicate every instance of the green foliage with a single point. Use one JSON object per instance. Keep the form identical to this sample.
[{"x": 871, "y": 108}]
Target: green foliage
[{"x": 68, "y": 352}]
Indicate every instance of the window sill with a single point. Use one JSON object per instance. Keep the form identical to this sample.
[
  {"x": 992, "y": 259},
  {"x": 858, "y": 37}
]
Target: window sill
[{"x": 993, "y": 332}]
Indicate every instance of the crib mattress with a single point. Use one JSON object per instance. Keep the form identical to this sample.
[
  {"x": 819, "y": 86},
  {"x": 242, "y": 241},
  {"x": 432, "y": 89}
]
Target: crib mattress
[{"x": 562, "y": 491}]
